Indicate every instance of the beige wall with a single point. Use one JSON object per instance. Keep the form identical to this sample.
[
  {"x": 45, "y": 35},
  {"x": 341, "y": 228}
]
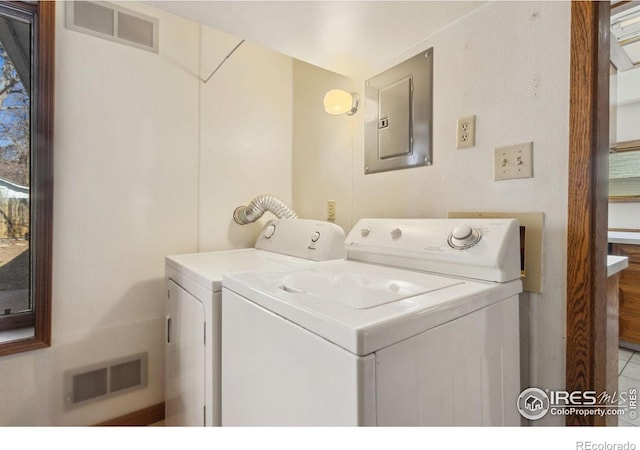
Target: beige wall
[
  {"x": 148, "y": 162},
  {"x": 495, "y": 63},
  {"x": 125, "y": 195},
  {"x": 322, "y": 160},
  {"x": 245, "y": 136}
]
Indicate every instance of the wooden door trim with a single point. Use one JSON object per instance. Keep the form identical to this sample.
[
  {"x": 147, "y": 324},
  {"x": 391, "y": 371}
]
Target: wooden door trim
[{"x": 587, "y": 203}]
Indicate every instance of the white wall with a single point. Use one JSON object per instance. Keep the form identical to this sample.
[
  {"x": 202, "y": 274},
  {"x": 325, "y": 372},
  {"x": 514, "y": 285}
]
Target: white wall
[
  {"x": 495, "y": 63},
  {"x": 627, "y": 215},
  {"x": 624, "y": 215},
  {"x": 148, "y": 162},
  {"x": 628, "y": 100},
  {"x": 245, "y": 136}
]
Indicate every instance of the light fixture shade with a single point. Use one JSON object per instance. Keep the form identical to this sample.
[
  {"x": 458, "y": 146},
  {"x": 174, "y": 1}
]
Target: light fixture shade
[{"x": 337, "y": 101}]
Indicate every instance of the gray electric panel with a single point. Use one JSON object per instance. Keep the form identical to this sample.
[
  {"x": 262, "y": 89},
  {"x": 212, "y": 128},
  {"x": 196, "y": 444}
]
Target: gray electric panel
[{"x": 398, "y": 124}]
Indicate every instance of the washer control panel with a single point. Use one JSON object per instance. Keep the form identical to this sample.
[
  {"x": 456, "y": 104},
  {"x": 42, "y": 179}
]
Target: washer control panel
[{"x": 487, "y": 249}]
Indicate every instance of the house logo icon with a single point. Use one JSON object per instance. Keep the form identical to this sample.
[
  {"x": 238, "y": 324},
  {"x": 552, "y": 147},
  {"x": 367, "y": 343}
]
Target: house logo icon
[{"x": 533, "y": 403}]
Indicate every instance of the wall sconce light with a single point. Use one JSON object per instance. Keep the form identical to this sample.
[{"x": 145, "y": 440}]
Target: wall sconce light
[{"x": 338, "y": 102}]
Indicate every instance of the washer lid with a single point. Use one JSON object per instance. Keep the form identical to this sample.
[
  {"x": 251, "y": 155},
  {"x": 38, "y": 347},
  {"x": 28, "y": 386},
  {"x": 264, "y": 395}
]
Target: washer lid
[
  {"x": 366, "y": 288},
  {"x": 365, "y": 307}
]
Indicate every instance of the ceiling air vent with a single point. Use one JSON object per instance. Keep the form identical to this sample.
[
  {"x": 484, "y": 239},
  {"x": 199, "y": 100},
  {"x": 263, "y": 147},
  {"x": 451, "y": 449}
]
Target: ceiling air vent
[{"x": 113, "y": 22}]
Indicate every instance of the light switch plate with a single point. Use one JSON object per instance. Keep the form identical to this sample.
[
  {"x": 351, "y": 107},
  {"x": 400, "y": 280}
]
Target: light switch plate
[{"x": 513, "y": 161}]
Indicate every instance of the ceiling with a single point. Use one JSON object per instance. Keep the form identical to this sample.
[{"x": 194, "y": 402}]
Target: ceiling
[{"x": 353, "y": 38}]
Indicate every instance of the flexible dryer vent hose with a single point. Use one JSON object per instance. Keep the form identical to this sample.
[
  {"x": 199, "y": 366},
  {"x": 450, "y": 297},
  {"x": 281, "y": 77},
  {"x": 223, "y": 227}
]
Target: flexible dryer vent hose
[{"x": 261, "y": 204}]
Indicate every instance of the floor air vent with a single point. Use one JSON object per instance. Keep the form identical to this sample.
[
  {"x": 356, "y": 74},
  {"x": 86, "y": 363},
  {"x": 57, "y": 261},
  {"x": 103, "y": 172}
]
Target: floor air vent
[
  {"x": 113, "y": 22},
  {"x": 104, "y": 380}
]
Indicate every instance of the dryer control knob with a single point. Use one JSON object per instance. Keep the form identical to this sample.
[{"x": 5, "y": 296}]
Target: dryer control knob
[
  {"x": 365, "y": 232},
  {"x": 315, "y": 236},
  {"x": 461, "y": 232},
  {"x": 396, "y": 233},
  {"x": 269, "y": 231}
]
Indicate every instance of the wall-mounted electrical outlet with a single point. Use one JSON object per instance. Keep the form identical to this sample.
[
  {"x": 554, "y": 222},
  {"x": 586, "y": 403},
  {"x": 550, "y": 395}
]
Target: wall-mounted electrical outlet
[
  {"x": 331, "y": 210},
  {"x": 466, "y": 135}
]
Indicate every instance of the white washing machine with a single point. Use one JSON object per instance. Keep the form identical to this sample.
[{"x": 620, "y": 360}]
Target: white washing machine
[
  {"x": 419, "y": 326},
  {"x": 194, "y": 284}
]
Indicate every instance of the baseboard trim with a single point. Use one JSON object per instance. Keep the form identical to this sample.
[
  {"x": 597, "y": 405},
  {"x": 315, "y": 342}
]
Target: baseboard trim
[{"x": 141, "y": 418}]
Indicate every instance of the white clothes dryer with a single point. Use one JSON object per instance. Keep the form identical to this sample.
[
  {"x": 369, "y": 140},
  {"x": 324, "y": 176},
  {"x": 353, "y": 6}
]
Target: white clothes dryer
[
  {"x": 419, "y": 326},
  {"x": 194, "y": 285}
]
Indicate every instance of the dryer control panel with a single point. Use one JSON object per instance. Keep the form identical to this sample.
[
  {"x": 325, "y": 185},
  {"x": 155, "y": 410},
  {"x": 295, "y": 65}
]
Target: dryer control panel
[
  {"x": 310, "y": 239},
  {"x": 485, "y": 249}
]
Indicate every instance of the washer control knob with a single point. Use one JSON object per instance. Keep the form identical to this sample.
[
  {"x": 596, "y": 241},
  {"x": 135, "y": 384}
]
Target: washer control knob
[
  {"x": 315, "y": 236},
  {"x": 365, "y": 232},
  {"x": 269, "y": 231},
  {"x": 396, "y": 233},
  {"x": 461, "y": 232},
  {"x": 464, "y": 236}
]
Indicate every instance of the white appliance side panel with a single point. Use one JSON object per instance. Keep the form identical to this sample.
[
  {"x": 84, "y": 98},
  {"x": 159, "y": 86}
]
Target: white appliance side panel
[
  {"x": 184, "y": 359},
  {"x": 275, "y": 373},
  {"x": 212, "y": 302},
  {"x": 463, "y": 373}
]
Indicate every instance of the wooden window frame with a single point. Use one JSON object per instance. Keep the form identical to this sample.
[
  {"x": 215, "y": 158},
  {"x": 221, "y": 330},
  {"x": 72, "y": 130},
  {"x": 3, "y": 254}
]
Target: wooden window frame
[{"x": 41, "y": 178}]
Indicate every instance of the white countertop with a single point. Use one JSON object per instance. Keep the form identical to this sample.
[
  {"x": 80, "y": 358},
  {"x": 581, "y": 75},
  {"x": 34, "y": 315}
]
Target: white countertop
[
  {"x": 616, "y": 263},
  {"x": 624, "y": 237}
]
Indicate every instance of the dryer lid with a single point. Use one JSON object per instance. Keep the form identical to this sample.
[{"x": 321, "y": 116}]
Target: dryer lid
[{"x": 207, "y": 268}]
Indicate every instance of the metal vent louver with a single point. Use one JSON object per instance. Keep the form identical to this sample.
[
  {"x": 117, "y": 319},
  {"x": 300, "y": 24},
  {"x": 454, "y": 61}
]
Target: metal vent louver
[
  {"x": 106, "y": 379},
  {"x": 114, "y": 23}
]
